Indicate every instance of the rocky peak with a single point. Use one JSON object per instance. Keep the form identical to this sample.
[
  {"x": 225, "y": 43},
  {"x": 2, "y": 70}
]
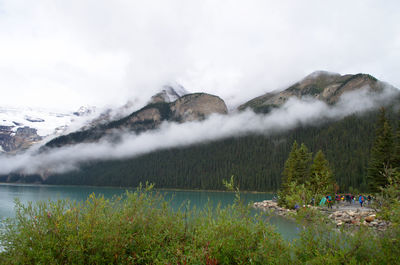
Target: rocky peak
[
  {"x": 12, "y": 141},
  {"x": 169, "y": 93},
  {"x": 85, "y": 111},
  {"x": 21, "y": 127},
  {"x": 189, "y": 107},
  {"x": 197, "y": 106},
  {"x": 322, "y": 85}
]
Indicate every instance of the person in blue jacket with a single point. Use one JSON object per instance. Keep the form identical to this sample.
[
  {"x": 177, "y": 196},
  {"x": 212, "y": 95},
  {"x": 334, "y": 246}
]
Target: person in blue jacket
[
  {"x": 329, "y": 200},
  {"x": 361, "y": 200}
]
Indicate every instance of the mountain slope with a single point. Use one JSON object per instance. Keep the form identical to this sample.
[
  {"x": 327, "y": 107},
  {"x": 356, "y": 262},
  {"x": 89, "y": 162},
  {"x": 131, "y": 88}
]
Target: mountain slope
[
  {"x": 256, "y": 160},
  {"x": 21, "y": 128},
  {"x": 321, "y": 85},
  {"x": 189, "y": 107}
]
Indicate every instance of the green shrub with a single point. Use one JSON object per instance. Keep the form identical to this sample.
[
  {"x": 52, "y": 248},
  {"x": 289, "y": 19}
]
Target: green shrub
[
  {"x": 137, "y": 228},
  {"x": 141, "y": 228}
]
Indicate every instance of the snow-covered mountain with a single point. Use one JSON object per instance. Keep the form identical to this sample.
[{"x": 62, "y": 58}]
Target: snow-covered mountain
[{"x": 22, "y": 127}]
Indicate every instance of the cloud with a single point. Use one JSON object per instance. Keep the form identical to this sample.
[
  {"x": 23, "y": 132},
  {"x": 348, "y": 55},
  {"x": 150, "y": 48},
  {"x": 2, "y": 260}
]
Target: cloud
[
  {"x": 64, "y": 54},
  {"x": 293, "y": 113}
]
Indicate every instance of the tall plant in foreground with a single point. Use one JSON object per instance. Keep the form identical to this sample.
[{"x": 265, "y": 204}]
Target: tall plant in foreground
[{"x": 137, "y": 228}]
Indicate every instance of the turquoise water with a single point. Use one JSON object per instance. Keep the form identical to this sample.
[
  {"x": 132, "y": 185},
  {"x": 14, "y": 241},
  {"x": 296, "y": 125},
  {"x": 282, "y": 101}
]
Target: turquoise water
[{"x": 26, "y": 193}]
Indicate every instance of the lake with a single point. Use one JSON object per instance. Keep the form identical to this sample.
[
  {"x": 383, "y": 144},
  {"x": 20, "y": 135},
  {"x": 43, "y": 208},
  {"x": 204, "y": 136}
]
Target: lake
[{"x": 26, "y": 193}]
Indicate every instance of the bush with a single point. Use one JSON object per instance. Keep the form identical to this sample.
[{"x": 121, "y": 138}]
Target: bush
[
  {"x": 137, "y": 228},
  {"x": 141, "y": 228},
  {"x": 295, "y": 194}
]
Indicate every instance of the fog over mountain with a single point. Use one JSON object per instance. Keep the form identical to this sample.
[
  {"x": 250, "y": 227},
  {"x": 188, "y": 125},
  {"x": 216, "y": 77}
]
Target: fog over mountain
[{"x": 295, "y": 112}]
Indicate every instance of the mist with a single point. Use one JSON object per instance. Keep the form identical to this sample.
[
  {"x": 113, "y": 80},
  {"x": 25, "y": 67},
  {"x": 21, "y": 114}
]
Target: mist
[
  {"x": 295, "y": 112},
  {"x": 65, "y": 54}
]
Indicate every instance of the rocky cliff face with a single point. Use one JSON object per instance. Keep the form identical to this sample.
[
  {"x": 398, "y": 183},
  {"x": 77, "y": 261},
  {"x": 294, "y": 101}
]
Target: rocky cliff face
[
  {"x": 189, "y": 107},
  {"x": 23, "y": 127},
  {"x": 197, "y": 107},
  {"x": 13, "y": 141},
  {"x": 321, "y": 85}
]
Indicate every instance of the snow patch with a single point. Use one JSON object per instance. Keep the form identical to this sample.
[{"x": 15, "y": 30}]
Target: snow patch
[{"x": 44, "y": 121}]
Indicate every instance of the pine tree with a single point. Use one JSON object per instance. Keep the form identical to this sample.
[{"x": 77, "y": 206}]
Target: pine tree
[
  {"x": 289, "y": 171},
  {"x": 288, "y": 174},
  {"x": 396, "y": 144},
  {"x": 297, "y": 166},
  {"x": 381, "y": 153},
  {"x": 302, "y": 165},
  {"x": 321, "y": 178},
  {"x": 296, "y": 171}
]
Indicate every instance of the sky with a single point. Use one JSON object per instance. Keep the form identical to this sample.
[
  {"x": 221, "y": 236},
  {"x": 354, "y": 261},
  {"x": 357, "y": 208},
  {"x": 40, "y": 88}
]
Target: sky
[{"x": 64, "y": 54}]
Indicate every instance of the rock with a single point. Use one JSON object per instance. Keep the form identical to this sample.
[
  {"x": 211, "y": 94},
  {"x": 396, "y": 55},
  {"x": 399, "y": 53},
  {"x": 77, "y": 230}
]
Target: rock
[
  {"x": 23, "y": 138},
  {"x": 351, "y": 213},
  {"x": 197, "y": 107},
  {"x": 190, "y": 107},
  {"x": 340, "y": 218},
  {"x": 324, "y": 86},
  {"x": 347, "y": 221},
  {"x": 370, "y": 218},
  {"x": 338, "y": 214}
]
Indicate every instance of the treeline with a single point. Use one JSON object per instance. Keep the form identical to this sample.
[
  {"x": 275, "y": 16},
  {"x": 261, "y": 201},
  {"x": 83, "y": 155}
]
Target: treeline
[{"x": 257, "y": 161}]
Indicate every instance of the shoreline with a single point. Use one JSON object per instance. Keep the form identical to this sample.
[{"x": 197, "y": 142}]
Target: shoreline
[
  {"x": 341, "y": 215},
  {"x": 127, "y": 187}
]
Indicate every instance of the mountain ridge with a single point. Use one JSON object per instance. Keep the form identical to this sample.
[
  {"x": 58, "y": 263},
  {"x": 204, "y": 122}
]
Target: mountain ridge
[
  {"x": 200, "y": 163},
  {"x": 321, "y": 85},
  {"x": 189, "y": 107}
]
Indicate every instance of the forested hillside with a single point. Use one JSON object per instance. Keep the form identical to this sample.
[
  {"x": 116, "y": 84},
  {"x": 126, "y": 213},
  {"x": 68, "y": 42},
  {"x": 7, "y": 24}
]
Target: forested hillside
[{"x": 256, "y": 161}]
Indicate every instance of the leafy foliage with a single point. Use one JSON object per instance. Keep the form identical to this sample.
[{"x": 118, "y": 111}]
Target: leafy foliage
[
  {"x": 141, "y": 228},
  {"x": 303, "y": 180},
  {"x": 138, "y": 228}
]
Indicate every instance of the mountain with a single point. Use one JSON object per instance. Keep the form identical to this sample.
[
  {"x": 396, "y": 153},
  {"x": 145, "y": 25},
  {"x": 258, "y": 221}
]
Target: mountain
[
  {"x": 255, "y": 160},
  {"x": 189, "y": 107},
  {"x": 321, "y": 85},
  {"x": 21, "y": 128},
  {"x": 169, "y": 93}
]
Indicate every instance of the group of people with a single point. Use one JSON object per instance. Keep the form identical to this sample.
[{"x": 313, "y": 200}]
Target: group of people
[{"x": 349, "y": 198}]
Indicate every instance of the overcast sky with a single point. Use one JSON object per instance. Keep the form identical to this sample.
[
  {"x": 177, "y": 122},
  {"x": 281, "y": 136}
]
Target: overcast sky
[{"x": 64, "y": 54}]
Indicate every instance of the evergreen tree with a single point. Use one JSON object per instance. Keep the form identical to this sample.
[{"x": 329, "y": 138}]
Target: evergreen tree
[
  {"x": 295, "y": 173},
  {"x": 381, "y": 153},
  {"x": 381, "y": 122},
  {"x": 396, "y": 140},
  {"x": 289, "y": 171},
  {"x": 321, "y": 179},
  {"x": 288, "y": 174},
  {"x": 302, "y": 166}
]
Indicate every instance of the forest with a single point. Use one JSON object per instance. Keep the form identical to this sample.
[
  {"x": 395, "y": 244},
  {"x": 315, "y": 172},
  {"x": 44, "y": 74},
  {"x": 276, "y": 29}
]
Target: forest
[{"x": 256, "y": 161}]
